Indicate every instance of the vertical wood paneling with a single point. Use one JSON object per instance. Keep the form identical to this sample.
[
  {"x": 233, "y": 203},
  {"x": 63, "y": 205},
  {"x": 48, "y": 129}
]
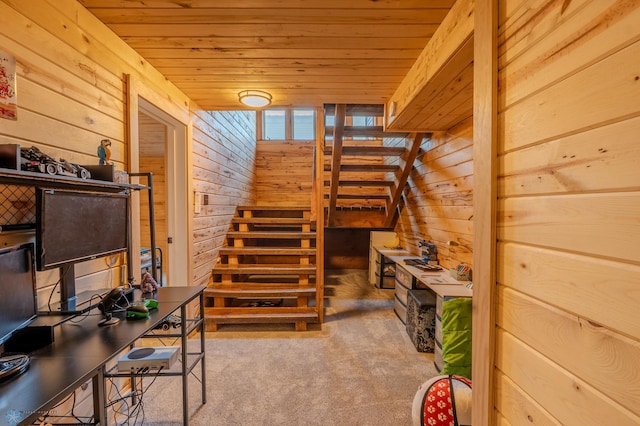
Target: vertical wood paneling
[{"x": 568, "y": 224}]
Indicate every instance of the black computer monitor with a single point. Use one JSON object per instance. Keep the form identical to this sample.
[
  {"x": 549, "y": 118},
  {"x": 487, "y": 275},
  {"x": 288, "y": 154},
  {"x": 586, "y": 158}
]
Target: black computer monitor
[
  {"x": 75, "y": 226},
  {"x": 18, "y": 303}
]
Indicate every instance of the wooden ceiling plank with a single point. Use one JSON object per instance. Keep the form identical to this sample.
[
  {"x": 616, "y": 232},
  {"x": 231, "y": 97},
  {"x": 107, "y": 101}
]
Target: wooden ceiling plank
[
  {"x": 281, "y": 4},
  {"x": 289, "y": 29},
  {"x": 361, "y": 49},
  {"x": 306, "y": 53},
  {"x": 269, "y": 15},
  {"x": 285, "y": 80},
  {"x": 326, "y": 41},
  {"x": 292, "y": 85},
  {"x": 282, "y": 63},
  {"x": 332, "y": 73}
]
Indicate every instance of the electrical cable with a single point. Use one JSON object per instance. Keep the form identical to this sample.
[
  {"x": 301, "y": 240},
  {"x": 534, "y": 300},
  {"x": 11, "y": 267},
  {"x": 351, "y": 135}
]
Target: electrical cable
[
  {"x": 56, "y": 286},
  {"x": 86, "y": 314},
  {"x": 131, "y": 411}
]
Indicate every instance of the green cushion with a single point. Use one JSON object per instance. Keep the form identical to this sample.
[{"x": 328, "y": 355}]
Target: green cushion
[{"x": 456, "y": 336}]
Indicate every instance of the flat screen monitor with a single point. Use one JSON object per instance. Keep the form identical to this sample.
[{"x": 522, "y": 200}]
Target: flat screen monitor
[
  {"x": 75, "y": 226},
  {"x": 18, "y": 304}
]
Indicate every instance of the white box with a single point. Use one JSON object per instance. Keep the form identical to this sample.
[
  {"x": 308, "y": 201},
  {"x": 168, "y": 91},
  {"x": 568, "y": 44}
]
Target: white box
[{"x": 148, "y": 357}]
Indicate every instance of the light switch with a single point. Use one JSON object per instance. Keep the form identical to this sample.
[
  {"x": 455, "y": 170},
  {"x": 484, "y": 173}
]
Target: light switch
[{"x": 198, "y": 202}]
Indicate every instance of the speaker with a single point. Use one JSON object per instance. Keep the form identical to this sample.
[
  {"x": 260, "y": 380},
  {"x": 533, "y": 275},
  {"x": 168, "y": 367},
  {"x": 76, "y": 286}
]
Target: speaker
[{"x": 29, "y": 339}]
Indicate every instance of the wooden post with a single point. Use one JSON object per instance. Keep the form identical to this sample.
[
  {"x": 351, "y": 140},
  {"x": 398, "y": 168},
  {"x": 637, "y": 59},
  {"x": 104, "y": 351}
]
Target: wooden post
[{"x": 484, "y": 209}]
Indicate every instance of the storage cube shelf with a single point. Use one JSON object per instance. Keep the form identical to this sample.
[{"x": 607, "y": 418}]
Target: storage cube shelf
[
  {"x": 421, "y": 319},
  {"x": 404, "y": 282}
]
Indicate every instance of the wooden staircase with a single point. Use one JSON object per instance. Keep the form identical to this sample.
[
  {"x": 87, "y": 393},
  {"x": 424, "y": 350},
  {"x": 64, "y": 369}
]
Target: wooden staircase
[
  {"x": 266, "y": 270},
  {"x": 365, "y": 168}
]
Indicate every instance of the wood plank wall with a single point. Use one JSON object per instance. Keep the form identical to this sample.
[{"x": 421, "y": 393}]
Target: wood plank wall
[
  {"x": 568, "y": 272},
  {"x": 223, "y": 170},
  {"x": 71, "y": 94},
  {"x": 284, "y": 173},
  {"x": 439, "y": 200}
]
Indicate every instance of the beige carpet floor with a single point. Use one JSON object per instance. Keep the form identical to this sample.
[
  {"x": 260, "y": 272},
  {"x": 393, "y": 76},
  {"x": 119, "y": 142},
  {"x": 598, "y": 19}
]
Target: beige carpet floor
[{"x": 358, "y": 368}]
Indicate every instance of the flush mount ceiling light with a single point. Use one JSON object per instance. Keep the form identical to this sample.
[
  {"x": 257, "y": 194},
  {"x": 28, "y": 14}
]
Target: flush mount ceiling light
[{"x": 255, "y": 98}]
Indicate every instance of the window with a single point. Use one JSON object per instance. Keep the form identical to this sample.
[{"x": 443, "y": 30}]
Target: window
[
  {"x": 356, "y": 121},
  {"x": 363, "y": 121},
  {"x": 304, "y": 124},
  {"x": 274, "y": 127},
  {"x": 288, "y": 124}
]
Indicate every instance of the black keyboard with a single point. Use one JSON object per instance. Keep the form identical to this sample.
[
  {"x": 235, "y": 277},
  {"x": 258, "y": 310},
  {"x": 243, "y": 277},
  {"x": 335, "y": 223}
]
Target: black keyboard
[
  {"x": 12, "y": 365},
  {"x": 422, "y": 265}
]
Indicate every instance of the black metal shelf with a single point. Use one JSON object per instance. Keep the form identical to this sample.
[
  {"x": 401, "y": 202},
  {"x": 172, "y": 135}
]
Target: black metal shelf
[{"x": 23, "y": 178}]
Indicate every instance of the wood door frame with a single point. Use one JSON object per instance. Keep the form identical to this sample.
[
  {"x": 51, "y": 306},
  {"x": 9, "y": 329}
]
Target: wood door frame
[{"x": 178, "y": 177}]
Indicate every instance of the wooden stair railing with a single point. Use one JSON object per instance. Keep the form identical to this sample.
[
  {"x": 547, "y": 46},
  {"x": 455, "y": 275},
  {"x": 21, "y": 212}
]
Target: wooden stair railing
[
  {"x": 368, "y": 168},
  {"x": 266, "y": 270}
]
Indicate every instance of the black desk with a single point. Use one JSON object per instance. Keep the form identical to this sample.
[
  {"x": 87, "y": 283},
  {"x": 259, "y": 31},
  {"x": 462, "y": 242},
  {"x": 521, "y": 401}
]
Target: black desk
[{"x": 82, "y": 350}]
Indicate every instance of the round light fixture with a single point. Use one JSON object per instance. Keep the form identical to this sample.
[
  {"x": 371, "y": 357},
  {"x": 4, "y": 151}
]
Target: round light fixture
[{"x": 255, "y": 98}]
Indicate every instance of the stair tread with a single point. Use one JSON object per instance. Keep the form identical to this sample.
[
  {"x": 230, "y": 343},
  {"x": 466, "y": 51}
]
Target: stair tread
[
  {"x": 271, "y": 234},
  {"x": 365, "y": 167},
  {"x": 369, "y": 150},
  {"x": 258, "y": 290},
  {"x": 360, "y": 196},
  {"x": 257, "y": 269},
  {"x": 258, "y": 286},
  {"x": 283, "y": 208},
  {"x": 250, "y": 266},
  {"x": 250, "y": 314},
  {"x": 362, "y": 183},
  {"x": 273, "y": 220},
  {"x": 268, "y": 250}
]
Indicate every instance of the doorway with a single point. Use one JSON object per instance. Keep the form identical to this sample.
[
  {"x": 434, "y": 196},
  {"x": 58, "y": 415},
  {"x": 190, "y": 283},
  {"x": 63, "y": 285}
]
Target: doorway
[
  {"x": 160, "y": 148},
  {"x": 152, "y": 148}
]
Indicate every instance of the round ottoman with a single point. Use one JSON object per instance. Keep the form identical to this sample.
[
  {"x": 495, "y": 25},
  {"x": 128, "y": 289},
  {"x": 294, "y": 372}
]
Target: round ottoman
[{"x": 443, "y": 401}]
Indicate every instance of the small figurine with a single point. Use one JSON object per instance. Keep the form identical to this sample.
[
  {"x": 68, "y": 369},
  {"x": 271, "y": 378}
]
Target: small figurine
[
  {"x": 148, "y": 284},
  {"x": 104, "y": 153}
]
